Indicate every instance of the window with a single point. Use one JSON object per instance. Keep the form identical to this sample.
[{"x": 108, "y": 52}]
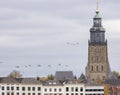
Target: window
[
  {"x": 102, "y": 59},
  {"x": 96, "y": 58},
  {"x": 91, "y": 58},
  {"x": 67, "y": 89},
  {"x": 39, "y": 93},
  {"x": 3, "y": 93},
  {"x": 17, "y": 88},
  {"x": 45, "y": 89},
  {"x": 3, "y": 88},
  {"x": 91, "y": 68},
  {"x": 29, "y": 88},
  {"x": 72, "y": 89},
  {"x": 97, "y": 68},
  {"x": 102, "y": 68},
  {"x": 60, "y": 90},
  {"x": 8, "y": 93},
  {"x": 100, "y": 89},
  {"x": 33, "y": 94},
  {"x": 50, "y": 89},
  {"x": 81, "y": 89},
  {"x": 94, "y": 89},
  {"x": 76, "y": 89},
  {"x": 39, "y": 88},
  {"x": 81, "y": 93},
  {"x": 67, "y": 94},
  {"x": 12, "y": 93},
  {"x": 55, "y": 89},
  {"x": 33, "y": 88},
  {"x": 72, "y": 93},
  {"x": 8, "y": 88},
  {"x": 17, "y": 93},
  {"x": 12, "y": 88},
  {"x": 23, "y": 88},
  {"x": 103, "y": 77},
  {"x": 23, "y": 93},
  {"x": 29, "y": 93}
]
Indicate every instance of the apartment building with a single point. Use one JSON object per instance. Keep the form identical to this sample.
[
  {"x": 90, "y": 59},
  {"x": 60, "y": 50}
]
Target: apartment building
[
  {"x": 31, "y": 86},
  {"x": 21, "y": 86}
]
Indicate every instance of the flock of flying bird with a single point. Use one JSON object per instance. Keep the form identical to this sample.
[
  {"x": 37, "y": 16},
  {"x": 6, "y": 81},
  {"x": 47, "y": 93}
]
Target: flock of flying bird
[
  {"x": 69, "y": 43},
  {"x": 37, "y": 66},
  {"x": 26, "y": 66}
]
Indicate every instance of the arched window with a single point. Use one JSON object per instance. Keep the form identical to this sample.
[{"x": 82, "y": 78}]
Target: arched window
[
  {"x": 102, "y": 59},
  {"x": 92, "y": 58},
  {"x": 102, "y": 68},
  {"x": 97, "y": 58},
  {"x": 97, "y": 68},
  {"x": 91, "y": 68}
]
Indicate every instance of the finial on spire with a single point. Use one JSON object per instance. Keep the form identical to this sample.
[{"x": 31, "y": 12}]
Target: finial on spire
[{"x": 97, "y": 9}]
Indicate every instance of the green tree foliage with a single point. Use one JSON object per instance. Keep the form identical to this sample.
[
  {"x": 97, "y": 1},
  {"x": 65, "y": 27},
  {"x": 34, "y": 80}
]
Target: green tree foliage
[
  {"x": 50, "y": 77},
  {"x": 117, "y": 75},
  {"x": 15, "y": 74}
]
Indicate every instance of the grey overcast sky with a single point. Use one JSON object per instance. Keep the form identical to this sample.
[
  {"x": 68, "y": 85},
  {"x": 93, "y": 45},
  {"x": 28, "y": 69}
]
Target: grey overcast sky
[{"x": 39, "y": 37}]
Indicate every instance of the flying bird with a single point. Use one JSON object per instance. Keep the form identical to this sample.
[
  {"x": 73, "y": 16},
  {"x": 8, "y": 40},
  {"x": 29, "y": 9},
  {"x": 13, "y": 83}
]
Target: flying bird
[
  {"x": 39, "y": 65},
  {"x": 17, "y": 66},
  {"x": 1, "y": 62},
  {"x": 66, "y": 65},
  {"x": 26, "y": 66},
  {"x": 59, "y": 64}
]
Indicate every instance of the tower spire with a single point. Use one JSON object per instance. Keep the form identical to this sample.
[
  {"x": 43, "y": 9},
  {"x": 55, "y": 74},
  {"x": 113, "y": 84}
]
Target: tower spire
[
  {"x": 97, "y": 9},
  {"x": 97, "y": 69}
]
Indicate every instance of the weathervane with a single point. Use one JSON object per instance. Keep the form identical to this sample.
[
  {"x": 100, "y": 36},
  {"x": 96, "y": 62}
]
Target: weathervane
[{"x": 97, "y": 9}]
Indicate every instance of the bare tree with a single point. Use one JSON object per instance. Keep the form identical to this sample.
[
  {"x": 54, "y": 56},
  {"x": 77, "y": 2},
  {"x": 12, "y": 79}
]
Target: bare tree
[{"x": 15, "y": 74}]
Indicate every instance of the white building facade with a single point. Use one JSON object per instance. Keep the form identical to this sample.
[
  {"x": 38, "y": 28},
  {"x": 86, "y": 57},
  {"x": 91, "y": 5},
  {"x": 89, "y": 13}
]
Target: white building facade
[{"x": 31, "y": 86}]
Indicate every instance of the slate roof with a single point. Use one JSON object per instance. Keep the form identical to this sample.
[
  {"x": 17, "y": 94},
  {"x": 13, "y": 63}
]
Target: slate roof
[
  {"x": 82, "y": 77},
  {"x": 111, "y": 75},
  {"x": 8, "y": 80},
  {"x": 19, "y": 80},
  {"x": 115, "y": 82},
  {"x": 29, "y": 81},
  {"x": 64, "y": 75}
]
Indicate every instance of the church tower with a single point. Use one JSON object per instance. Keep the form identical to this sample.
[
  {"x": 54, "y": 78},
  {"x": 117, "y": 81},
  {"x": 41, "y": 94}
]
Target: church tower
[{"x": 97, "y": 68}]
